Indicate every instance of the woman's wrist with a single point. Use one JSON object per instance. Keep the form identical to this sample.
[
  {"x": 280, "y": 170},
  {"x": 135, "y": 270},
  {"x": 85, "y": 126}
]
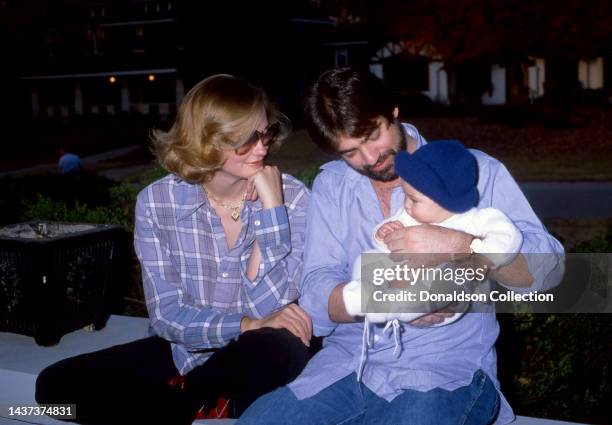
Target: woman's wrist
[{"x": 272, "y": 202}]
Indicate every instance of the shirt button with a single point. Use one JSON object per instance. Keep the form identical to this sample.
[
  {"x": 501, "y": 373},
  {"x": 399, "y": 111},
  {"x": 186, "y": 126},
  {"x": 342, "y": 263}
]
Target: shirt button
[
  {"x": 225, "y": 274},
  {"x": 257, "y": 223}
]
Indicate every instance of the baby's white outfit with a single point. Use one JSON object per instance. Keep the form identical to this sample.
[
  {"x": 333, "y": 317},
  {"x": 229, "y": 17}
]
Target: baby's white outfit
[{"x": 495, "y": 236}]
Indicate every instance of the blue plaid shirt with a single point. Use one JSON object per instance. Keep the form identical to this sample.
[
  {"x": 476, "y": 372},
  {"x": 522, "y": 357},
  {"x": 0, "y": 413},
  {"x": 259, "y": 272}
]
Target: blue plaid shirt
[{"x": 196, "y": 289}]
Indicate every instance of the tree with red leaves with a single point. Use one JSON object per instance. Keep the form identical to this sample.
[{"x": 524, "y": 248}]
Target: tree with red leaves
[{"x": 472, "y": 34}]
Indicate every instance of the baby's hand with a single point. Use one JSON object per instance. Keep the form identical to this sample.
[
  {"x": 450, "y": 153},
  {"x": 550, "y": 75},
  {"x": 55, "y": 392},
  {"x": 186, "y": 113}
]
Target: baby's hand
[{"x": 387, "y": 229}]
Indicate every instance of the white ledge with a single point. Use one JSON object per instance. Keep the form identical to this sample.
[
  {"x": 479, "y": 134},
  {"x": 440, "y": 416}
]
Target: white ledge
[{"x": 21, "y": 360}]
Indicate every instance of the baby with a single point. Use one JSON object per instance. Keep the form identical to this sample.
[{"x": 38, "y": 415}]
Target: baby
[{"x": 439, "y": 183}]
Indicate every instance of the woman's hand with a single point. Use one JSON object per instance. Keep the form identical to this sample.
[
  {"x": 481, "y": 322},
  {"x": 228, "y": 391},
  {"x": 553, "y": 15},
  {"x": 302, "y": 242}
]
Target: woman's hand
[
  {"x": 291, "y": 317},
  {"x": 266, "y": 185}
]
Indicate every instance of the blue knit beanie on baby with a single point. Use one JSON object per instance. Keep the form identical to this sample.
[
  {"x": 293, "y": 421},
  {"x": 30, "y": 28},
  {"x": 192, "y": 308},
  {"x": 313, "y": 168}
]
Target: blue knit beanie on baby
[{"x": 444, "y": 171}]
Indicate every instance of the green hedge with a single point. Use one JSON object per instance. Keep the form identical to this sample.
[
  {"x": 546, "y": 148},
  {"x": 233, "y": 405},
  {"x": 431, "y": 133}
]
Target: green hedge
[
  {"x": 118, "y": 210},
  {"x": 557, "y": 366}
]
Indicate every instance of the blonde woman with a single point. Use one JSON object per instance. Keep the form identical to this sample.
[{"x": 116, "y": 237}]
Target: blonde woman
[{"x": 220, "y": 242}]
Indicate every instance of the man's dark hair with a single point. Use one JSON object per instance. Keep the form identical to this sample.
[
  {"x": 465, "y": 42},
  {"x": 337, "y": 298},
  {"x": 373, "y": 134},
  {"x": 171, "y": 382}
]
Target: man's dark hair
[{"x": 348, "y": 102}]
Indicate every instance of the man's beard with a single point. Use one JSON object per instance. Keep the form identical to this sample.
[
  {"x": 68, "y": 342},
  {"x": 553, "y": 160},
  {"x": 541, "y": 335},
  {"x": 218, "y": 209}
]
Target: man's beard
[{"x": 388, "y": 173}]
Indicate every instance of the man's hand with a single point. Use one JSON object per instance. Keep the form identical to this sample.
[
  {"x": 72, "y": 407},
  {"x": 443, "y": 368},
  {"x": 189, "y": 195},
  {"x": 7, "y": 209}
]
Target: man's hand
[
  {"x": 428, "y": 239},
  {"x": 432, "y": 319},
  {"x": 387, "y": 228},
  {"x": 291, "y": 317}
]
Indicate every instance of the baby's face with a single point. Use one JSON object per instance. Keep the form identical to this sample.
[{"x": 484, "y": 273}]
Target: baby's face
[{"x": 422, "y": 208}]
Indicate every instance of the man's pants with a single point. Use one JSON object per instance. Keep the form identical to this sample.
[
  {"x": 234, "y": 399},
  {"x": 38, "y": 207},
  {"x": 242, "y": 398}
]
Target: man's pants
[
  {"x": 350, "y": 402},
  {"x": 128, "y": 384}
]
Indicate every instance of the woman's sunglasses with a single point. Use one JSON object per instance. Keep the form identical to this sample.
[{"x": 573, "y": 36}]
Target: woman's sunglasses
[{"x": 267, "y": 137}]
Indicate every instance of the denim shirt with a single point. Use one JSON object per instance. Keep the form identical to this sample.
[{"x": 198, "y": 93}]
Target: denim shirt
[
  {"x": 343, "y": 211},
  {"x": 195, "y": 287}
]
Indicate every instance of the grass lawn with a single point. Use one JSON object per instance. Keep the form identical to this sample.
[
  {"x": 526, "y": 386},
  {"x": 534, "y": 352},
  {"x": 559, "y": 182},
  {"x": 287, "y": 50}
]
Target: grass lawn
[{"x": 533, "y": 152}]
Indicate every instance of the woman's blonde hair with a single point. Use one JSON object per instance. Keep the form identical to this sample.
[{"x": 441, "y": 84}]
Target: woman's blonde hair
[{"x": 219, "y": 113}]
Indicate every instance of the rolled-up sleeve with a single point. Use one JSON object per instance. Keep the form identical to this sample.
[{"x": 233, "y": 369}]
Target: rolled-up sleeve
[
  {"x": 196, "y": 328},
  {"x": 325, "y": 259}
]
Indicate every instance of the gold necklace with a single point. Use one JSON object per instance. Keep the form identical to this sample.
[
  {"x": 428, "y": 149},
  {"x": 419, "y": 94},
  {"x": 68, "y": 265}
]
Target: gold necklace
[{"x": 234, "y": 207}]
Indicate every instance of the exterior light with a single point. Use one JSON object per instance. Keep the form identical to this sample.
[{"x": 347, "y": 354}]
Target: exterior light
[
  {"x": 112, "y": 79},
  {"x": 151, "y": 77}
]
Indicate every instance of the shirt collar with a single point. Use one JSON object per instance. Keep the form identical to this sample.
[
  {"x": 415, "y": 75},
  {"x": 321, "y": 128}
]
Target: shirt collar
[{"x": 189, "y": 196}]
